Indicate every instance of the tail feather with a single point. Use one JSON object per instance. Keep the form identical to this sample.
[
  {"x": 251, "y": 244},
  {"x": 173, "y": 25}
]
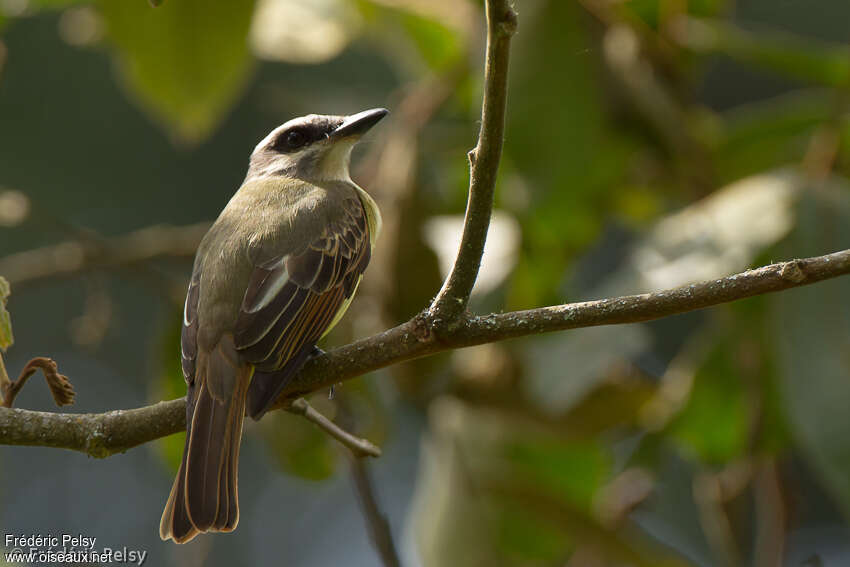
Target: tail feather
[{"x": 205, "y": 495}]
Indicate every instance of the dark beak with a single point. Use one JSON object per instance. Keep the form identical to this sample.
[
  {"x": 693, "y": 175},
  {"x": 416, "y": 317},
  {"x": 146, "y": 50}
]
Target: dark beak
[{"x": 358, "y": 124}]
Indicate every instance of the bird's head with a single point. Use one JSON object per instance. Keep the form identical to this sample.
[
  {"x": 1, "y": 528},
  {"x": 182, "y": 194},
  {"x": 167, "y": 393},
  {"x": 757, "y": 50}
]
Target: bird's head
[{"x": 315, "y": 147}]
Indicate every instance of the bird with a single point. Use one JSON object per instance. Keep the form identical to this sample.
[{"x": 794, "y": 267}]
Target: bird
[{"x": 275, "y": 272}]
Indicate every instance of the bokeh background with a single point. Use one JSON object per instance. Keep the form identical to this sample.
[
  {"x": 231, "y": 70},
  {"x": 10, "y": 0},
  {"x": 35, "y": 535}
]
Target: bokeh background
[{"x": 649, "y": 143}]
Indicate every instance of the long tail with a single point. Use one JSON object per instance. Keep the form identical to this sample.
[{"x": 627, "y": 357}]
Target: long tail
[{"x": 204, "y": 496}]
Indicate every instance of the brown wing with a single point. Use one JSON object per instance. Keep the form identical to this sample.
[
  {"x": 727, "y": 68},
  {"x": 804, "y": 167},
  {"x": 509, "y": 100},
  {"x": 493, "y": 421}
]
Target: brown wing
[
  {"x": 189, "y": 332},
  {"x": 292, "y": 300}
]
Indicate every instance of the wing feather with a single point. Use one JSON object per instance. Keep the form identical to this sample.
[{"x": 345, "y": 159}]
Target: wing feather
[{"x": 292, "y": 301}]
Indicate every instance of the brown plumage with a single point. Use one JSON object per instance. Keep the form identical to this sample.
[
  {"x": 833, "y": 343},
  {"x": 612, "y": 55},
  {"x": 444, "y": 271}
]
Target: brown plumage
[{"x": 275, "y": 272}]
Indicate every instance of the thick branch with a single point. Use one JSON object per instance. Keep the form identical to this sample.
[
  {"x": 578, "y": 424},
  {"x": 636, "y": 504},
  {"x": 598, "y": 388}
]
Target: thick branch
[
  {"x": 103, "y": 434},
  {"x": 451, "y": 302},
  {"x": 97, "y": 434}
]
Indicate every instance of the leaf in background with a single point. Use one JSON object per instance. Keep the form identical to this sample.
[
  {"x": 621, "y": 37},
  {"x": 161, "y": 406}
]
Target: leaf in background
[
  {"x": 759, "y": 136},
  {"x": 811, "y": 333},
  {"x": 6, "y": 338},
  {"x": 302, "y": 32},
  {"x": 298, "y": 445},
  {"x": 650, "y": 11},
  {"x": 715, "y": 423},
  {"x": 716, "y": 236},
  {"x": 170, "y": 384},
  {"x": 185, "y": 62},
  {"x": 434, "y": 27},
  {"x": 495, "y": 488},
  {"x": 564, "y": 368},
  {"x": 787, "y": 54},
  {"x": 560, "y": 145},
  {"x": 443, "y": 233},
  {"x": 439, "y": 45}
]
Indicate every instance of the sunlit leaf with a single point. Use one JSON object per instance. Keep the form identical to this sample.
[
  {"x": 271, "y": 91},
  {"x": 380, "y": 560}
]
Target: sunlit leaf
[
  {"x": 302, "y": 32},
  {"x": 185, "y": 62}
]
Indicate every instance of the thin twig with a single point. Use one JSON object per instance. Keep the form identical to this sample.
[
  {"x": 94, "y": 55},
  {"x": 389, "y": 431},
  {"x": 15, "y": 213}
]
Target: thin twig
[
  {"x": 101, "y": 435},
  {"x": 78, "y": 256},
  {"x": 60, "y": 386},
  {"x": 359, "y": 446},
  {"x": 451, "y": 302},
  {"x": 379, "y": 527}
]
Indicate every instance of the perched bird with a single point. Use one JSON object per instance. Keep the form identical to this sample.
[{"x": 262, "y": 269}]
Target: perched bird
[{"x": 274, "y": 274}]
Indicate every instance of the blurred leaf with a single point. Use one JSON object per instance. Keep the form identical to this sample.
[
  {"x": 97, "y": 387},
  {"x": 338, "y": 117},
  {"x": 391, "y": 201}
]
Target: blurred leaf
[
  {"x": 186, "y": 62},
  {"x": 557, "y": 387},
  {"x": 299, "y": 446},
  {"x": 170, "y": 384},
  {"x": 433, "y": 28},
  {"x": 439, "y": 45},
  {"x": 521, "y": 536},
  {"x": 6, "y": 338},
  {"x": 497, "y": 489},
  {"x": 811, "y": 333},
  {"x": 56, "y": 4},
  {"x": 302, "y": 32},
  {"x": 650, "y": 11},
  {"x": 770, "y": 133},
  {"x": 783, "y": 53},
  {"x": 715, "y": 422},
  {"x": 556, "y": 117},
  {"x": 572, "y": 471}
]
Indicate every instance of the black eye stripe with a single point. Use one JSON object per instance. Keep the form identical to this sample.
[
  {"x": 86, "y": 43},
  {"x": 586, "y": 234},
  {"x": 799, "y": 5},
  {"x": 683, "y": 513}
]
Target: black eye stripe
[{"x": 301, "y": 135}]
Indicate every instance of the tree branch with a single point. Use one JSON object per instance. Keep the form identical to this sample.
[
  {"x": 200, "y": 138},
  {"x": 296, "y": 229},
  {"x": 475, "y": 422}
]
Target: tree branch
[
  {"x": 451, "y": 302},
  {"x": 101, "y": 435},
  {"x": 359, "y": 447},
  {"x": 78, "y": 256},
  {"x": 379, "y": 527}
]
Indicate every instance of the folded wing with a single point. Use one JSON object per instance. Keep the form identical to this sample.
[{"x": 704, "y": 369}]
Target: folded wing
[{"x": 293, "y": 300}]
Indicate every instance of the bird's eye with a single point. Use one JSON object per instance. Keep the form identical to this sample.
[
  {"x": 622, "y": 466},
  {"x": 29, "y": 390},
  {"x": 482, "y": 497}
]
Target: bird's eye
[{"x": 295, "y": 139}]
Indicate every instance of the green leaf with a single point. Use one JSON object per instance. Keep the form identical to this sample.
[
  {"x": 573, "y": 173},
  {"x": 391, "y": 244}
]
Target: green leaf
[
  {"x": 169, "y": 385},
  {"x": 811, "y": 334},
  {"x": 438, "y": 42},
  {"x": 298, "y": 445},
  {"x": 185, "y": 62},
  {"x": 789, "y": 55},
  {"x": 438, "y": 45},
  {"x": 6, "y": 338},
  {"x": 714, "y": 424},
  {"x": 767, "y": 134}
]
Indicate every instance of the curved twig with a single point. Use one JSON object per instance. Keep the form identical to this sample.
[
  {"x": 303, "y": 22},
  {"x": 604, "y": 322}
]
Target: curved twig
[{"x": 451, "y": 302}]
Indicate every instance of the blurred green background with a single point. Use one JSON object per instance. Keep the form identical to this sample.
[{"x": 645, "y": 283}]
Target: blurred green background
[{"x": 650, "y": 143}]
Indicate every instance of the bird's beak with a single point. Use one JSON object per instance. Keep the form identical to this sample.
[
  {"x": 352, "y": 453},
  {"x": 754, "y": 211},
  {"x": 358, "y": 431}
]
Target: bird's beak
[{"x": 358, "y": 124}]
